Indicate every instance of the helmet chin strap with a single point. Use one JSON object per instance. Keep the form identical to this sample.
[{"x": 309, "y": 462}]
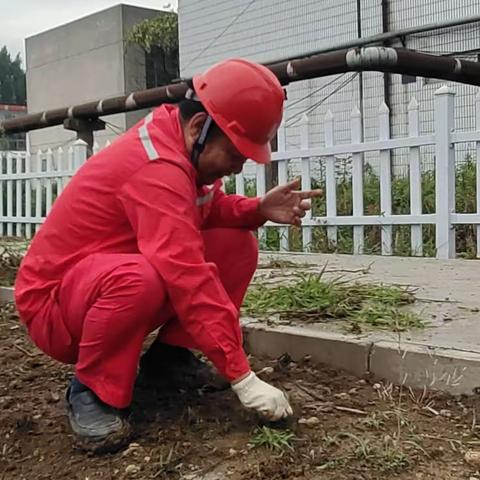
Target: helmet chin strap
[{"x": 199, "y": 144}]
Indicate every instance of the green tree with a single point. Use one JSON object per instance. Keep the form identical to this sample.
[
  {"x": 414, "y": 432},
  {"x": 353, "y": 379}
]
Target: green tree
[
  {"x": 160, "y": 31},
  {"x": 12, "y": 78},
  {"x": 158, "y": 37}
]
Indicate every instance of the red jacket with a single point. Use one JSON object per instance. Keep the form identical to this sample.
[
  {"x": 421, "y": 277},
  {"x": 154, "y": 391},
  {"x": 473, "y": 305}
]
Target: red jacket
[{"x": 140, "y": 195}]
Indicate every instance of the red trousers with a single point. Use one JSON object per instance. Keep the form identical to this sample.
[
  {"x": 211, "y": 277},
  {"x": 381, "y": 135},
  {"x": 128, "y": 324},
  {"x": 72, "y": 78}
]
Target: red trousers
[{"x": 109, "y": 303}]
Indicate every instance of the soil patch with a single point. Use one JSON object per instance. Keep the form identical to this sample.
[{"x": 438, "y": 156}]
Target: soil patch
[{"x": 345, "y": 427}]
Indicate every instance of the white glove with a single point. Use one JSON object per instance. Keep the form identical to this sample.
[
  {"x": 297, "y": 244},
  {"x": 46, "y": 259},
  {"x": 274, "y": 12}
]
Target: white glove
[{"x": 269, "y": 401}]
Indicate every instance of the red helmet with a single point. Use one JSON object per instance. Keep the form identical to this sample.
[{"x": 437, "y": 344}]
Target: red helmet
[{"x": 245, "y": 100}]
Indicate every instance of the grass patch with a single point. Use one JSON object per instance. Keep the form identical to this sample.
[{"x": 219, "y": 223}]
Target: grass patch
[
  {"x": 272, "y": 439},
  {"x": 384, "y": 316},
  {"x": 392, "y": 448},
  {"x": 389, "y": 440},
  {"x": 310, "y": 298},
  {"x": 374, "y": 421},
  {"x": 385, "y": 454}
]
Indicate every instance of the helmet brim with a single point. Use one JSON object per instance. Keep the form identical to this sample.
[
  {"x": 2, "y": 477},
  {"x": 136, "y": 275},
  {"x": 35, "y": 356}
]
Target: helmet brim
[{"x": 260, "y": 153}]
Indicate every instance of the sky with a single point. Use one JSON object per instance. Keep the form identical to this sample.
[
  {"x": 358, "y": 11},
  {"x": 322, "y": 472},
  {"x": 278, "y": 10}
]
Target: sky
[{"x": 20, "y": 19}]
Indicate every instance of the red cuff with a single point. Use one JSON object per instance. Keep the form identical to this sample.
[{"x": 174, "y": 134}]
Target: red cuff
[
  {"x": 237, "y": 364},
  {"x": 255, "y": 218}
]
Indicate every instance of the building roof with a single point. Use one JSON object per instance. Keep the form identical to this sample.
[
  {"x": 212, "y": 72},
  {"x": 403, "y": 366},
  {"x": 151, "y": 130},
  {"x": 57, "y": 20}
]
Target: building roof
[{"x": 12, "y": 107}]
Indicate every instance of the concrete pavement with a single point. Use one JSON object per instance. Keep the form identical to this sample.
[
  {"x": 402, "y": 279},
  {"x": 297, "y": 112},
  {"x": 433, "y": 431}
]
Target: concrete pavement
[{"x": 444, "y": 356}]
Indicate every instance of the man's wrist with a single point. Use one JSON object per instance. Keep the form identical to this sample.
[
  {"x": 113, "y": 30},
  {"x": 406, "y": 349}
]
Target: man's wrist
[
  {"x": 241, "y": 377},
  {"x": 261, "y": 213},
  {"x": 260, "y": 206}
]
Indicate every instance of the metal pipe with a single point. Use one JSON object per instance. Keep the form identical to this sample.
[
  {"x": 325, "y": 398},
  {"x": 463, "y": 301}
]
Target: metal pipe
[
  {"x": 381, "y": 59},
  {"x": 134, "y": 101}
]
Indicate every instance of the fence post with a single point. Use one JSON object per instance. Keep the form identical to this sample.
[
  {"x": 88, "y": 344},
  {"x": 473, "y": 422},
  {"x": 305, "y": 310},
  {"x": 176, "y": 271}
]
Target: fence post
[
  {"x": 240, "y": 184},
  {"x": 60, "y": 168},
  {"x": 444, "y": 172},
  {"x": 80, "y": 150},
  {"x": 28, "y": 195},
  {"x": 38, "y": 191},
  {"x": 48, "y": 182},
  {"x": 18, "y": 196},
  {"x": 282, "y": 180},
  {"x": 415, "y": 179},
  {"x": 2, "y": 209},
  {"x": 477, "y": 126},
  {"x": 385, "y": 178},
  {"x": 260, "y": 188},
  {"x": 330, "y": 180},
  {"x": 357, "y": 181},
  {"x": 306, "y": 180},
  {"x": 10, "y": 194}
]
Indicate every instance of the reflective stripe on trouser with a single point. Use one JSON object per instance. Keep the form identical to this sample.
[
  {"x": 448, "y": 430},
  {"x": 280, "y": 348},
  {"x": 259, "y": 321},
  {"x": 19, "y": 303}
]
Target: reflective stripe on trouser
[{"x": 111, "y": 302}]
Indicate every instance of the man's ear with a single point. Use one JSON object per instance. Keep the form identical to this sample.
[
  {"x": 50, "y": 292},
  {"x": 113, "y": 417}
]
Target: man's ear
[{"x": 194, "y": 127}]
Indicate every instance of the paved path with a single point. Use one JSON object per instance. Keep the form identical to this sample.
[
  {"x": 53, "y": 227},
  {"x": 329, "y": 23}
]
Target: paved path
[{"x": 444, "y": 356}]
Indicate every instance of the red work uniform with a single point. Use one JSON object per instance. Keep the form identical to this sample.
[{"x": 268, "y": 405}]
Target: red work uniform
[{"x": 130, "y": 245}]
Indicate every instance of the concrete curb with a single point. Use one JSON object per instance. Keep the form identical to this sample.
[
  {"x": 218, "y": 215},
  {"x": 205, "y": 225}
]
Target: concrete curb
[
  {"x": 419, "y": 366},
  {"x": 337, "y": 350},
  {"x": 412, "y": 365}
]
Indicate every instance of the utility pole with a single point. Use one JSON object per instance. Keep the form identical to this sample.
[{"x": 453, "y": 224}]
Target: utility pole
[
  {"x": 386, "y": 75},
  {"x": 360, "y": 76},
  {"x": 85, "y": 129}
]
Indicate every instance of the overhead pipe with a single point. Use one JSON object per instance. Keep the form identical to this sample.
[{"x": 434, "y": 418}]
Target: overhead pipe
[{"x": 380, "y": 59}]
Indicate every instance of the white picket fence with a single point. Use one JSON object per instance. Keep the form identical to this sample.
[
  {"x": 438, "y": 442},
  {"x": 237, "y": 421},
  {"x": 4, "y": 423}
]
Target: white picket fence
[
  {"x": 29, "y": 185},
  {"x": 443, "y": 141}
]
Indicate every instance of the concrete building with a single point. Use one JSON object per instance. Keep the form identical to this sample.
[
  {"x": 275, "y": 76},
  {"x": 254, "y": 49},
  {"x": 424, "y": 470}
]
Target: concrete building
[
  {"x": 264, "y": 31},
  {"x": 81, "y": 61}
]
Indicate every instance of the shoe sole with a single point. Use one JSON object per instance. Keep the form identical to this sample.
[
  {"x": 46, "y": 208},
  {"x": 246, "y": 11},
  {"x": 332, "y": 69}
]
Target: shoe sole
[{"x": 111, "y": 443}]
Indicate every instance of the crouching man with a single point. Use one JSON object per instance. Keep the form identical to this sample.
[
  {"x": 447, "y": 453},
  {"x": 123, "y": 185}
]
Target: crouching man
[{"x": 142, "y": 237}]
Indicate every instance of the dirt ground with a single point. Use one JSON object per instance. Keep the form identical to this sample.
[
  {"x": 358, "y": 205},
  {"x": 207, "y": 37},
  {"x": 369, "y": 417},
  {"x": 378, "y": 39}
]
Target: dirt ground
[
  {"x": 355, "y": 428},
  {"x": 9, "y": 263}
]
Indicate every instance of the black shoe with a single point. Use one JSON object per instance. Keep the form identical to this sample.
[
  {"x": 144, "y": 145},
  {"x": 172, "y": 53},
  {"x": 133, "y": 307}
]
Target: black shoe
[
  {"x": 168, "y": 367},
  {"x": 98, "y": 426}
]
